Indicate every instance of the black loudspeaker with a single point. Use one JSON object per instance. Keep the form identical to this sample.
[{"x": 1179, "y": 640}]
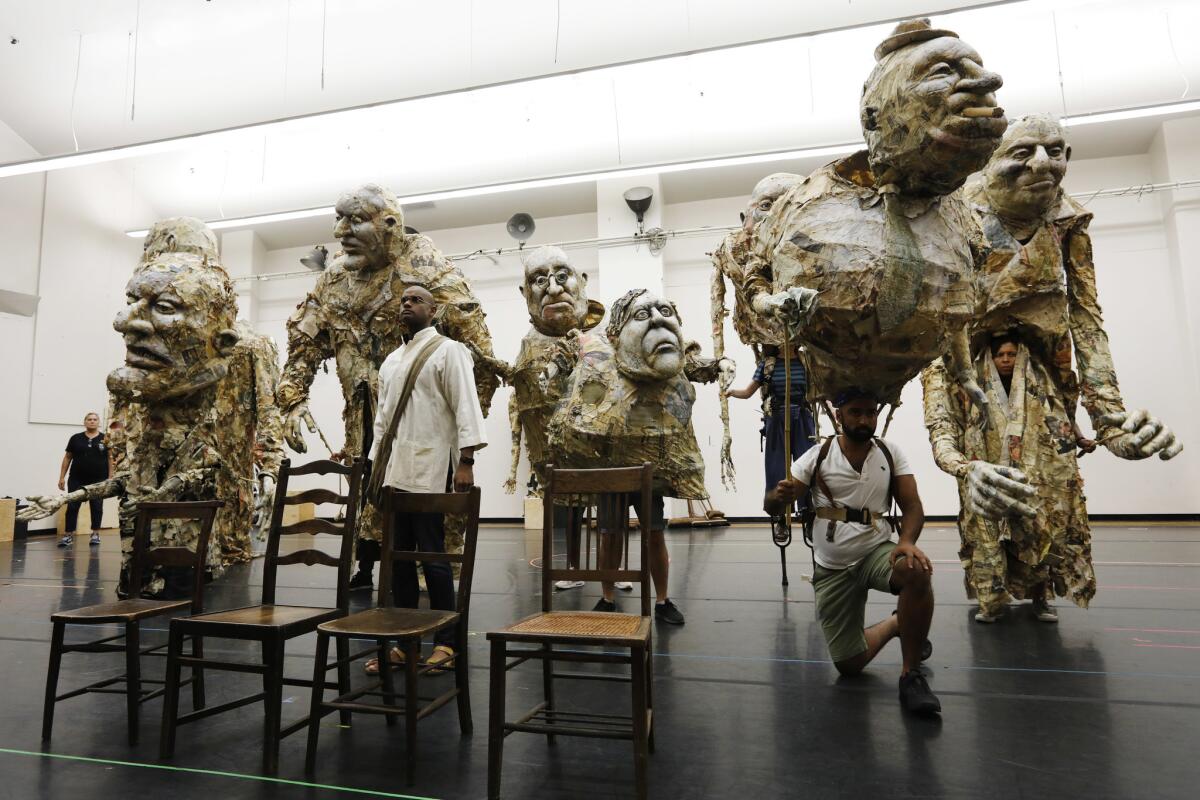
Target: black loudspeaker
[{"x": 520, "y": 227}]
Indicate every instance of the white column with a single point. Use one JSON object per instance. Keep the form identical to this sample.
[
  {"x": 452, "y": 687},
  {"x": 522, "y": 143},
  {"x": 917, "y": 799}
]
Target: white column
[
  {"x": 244, "y": 254},
  {"x": 625, "y": 268},
  {"x": 1174, "y": 157}
]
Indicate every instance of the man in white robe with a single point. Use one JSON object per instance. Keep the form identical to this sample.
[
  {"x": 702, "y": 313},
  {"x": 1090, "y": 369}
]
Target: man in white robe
[{"x": 440, "y": 425}]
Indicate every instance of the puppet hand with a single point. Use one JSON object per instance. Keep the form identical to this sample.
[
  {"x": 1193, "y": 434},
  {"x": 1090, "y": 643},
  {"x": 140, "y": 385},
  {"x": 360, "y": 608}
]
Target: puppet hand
[
  {"x": 727, "y": 370},
  {"x": 266, "y": 498},
  {"x": 978, "y": 399},
  {"x": 995, "y": 492},
  {"x": 292, "y": 432},
  {"x": 40, "y": 506},
  {"x": 1142, "y": 435}
]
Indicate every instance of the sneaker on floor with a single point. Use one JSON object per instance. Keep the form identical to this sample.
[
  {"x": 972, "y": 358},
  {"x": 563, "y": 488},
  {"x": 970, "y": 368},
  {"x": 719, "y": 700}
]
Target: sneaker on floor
[
  {"x": 986, "y": 618},
  {"x": 916, "y": 696},
  {"x": 562, "y": 586},
  {"x": 624, "y": 586},
  {"x": 1044, "y": 611},
  {"x": 361, "y": 580},
  {"x": 604, "y": 605},
  {"x": 95, "y": 540},
  {"x": 66, "y": 541},
  {"x": 668, "y": 613}
]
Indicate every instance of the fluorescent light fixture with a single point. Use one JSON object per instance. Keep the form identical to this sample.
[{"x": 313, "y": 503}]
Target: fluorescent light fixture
[
  {"x": 828, "y": 151},
  {"x": 1132, "y": 113}
]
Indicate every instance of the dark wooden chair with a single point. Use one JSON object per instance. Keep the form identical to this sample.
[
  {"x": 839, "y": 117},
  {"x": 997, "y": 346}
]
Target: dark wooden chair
[
  {"x": 405, "y": 626},
  {"x": 130, "y": 613},
  {"x": 605, "y": 496},
  {"x": 269, "y": 623}
]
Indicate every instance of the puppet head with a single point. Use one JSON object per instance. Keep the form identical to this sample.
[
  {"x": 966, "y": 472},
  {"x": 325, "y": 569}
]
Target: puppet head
[{"x": 647, "y": 337}]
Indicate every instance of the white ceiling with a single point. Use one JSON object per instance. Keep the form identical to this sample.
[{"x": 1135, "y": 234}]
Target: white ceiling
[{"x": 203, "y": 66}]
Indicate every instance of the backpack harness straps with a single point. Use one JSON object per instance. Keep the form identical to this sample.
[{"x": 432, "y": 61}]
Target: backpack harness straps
[{"x": 835, "y": 513}]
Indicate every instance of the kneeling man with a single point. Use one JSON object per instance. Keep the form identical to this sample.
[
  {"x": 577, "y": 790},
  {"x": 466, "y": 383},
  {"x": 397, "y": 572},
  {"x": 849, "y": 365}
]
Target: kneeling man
[{"x": 854, "y": 478}]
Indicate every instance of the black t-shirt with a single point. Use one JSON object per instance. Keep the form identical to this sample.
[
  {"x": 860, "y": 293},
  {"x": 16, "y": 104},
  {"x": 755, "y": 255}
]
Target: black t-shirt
[{"x": 89, "y": 458}]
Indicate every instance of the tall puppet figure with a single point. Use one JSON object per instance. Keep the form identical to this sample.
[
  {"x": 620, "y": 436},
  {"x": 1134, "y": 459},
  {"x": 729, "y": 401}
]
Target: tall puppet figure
[
  {"x": 353, "y": 317},
  {"x": 179, "y": 333},
  {"x": 245, "y": 397},
  {"x": 868, "y": 260},
  {"x": 629, "y": 401},
  {"x": 754, "y": 330},
  {"x": 1023, "y": 524}
]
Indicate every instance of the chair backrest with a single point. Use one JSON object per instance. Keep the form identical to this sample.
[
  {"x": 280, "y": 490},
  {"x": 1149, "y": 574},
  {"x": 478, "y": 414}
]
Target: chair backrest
[
  {"x": 345, "y": 529},
  {"x": 146, "y": 557},
  {"x": 465, "y": 504},
  {"x": 599, "y": 499}
]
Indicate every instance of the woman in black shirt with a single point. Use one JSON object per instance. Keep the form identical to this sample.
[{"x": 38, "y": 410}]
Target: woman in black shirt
[{"x": 87, "y": 459}]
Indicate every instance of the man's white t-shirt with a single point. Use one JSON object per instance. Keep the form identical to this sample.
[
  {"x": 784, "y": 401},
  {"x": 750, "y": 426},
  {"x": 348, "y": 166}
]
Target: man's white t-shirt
[{"x": 852, "y": 541}]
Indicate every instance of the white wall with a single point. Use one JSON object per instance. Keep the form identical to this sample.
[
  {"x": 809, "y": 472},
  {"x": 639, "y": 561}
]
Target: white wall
[{"x": 1133, "y": 267}]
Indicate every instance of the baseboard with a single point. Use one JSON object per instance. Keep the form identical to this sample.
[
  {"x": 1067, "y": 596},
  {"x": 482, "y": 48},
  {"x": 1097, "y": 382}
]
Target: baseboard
[{"x": 1159, "y": 518}]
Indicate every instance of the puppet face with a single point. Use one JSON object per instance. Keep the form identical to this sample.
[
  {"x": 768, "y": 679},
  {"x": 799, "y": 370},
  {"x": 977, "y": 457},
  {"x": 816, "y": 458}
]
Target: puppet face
[
  {"x": 554, "y": 291},
  {"x": 763, "y": 198},
  {"x": 924, "y": 113},
  {"x": 649, "y": 346},
  {"x": 178, "y": 326},
  {"x": 1024, "y": 174},
  {"x": 366, "y": 223}
]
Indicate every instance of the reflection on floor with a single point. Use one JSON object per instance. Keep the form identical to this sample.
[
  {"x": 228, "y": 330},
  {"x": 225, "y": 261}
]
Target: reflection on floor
[{"x": 1105, "y": 704}]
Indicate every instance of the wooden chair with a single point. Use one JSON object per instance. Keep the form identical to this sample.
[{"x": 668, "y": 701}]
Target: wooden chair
[
  {"x": 130, "y": 614},
  {"x": 606, "y": 494},
  {"x": 405, "y": 626},
  {"x": 269, "y": 623}
]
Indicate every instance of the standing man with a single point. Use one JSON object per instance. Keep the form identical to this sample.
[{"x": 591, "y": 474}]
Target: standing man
[
  {"x": 436, "y": 428},
  {"x": 353, "y": 315},
  {"x": 855, "y": 477},
  {"x": 87, "y": 459}
]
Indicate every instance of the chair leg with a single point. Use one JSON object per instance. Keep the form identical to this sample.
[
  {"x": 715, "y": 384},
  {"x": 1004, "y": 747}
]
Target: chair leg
[
  {"x": 273, "y": 702},
  {"x": 548, "y": 686},
  {"x": 497, "y": 684},
  {"x": 462, "y": 681},
  {"x": 314, "y": 707},
  {"x": 387, "y": 682},
  {"x": 412, "y": 655},
  {"x": 56, "y": 648},
  {"x": 640, "y": 744},
  {"x": 133, "y": 680},
  {"x": 343, "y": 673},
  {"x": 166, "y": 740},
  {"x": 198, "y": 699},
  {"x": 650, "y": 692}
]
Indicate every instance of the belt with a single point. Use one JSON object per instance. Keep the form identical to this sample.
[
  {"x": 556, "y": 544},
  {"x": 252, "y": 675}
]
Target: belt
[{"x": 863, "y": 516}]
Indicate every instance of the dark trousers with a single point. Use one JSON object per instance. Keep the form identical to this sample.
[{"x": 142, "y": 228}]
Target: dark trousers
[
  {"x": 423, "y": 533},
  {"x": 803, "y": 430},
  {"x": 96, "y": 507}
]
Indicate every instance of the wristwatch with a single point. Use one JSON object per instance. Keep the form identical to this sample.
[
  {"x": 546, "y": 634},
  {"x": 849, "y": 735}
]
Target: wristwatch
[{"x": 470, "y": 462}]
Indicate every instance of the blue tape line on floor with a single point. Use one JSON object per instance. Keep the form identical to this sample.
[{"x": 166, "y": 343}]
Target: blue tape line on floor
[{"x": 216, "y": 773}]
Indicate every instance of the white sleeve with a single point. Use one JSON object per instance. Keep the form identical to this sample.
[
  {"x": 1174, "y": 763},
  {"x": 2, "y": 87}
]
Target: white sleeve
[
  {"x": 901, "y": 460},
  {"x": 458, "y": 387},
  {"x": 803, "y": 468}
]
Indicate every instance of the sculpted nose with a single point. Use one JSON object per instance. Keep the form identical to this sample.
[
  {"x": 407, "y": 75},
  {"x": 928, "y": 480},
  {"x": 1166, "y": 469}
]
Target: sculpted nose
[
  {"x": 133, "y": 327},
  {"x": 1040, "y": 159},
  {"x": 977, "y": 80},
  {"x": 340, "y": 228}
]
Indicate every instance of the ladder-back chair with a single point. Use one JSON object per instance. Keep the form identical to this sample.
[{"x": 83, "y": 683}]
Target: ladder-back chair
[
  {"x": 605, "y": 496},
  {"x": 270, "y": 623},
  {"x": 129, "y": 614}
]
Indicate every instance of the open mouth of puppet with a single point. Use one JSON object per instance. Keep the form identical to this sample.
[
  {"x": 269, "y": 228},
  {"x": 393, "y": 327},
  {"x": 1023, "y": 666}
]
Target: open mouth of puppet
[{"x": 142, "y": 357}]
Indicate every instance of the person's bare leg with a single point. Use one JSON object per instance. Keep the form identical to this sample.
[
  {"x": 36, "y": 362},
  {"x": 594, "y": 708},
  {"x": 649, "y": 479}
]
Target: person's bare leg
[
  {"x": 660, "y": 564},
  {"x": 877, "y": 636},
  {"x": 914, "y": 612}
]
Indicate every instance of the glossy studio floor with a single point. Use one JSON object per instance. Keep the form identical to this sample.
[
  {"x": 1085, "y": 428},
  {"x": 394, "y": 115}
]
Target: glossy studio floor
[{"x": 1105, "y": 704}]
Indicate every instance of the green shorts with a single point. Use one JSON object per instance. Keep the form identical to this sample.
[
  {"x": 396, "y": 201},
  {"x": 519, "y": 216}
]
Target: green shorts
[{"x": 842, "y": 599}]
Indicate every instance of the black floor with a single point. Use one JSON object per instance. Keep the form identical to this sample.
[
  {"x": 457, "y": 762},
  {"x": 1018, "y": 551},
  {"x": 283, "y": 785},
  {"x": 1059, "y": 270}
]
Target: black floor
[{"x": 1105, "y": 704}]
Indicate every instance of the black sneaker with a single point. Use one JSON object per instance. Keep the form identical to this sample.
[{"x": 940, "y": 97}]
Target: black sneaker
[
  {"x": 668, "y": 613},
  {"x": 604, "y": 605},
  {"x": 361, "y": 580},
  {"x": 916, "y": 696}
]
